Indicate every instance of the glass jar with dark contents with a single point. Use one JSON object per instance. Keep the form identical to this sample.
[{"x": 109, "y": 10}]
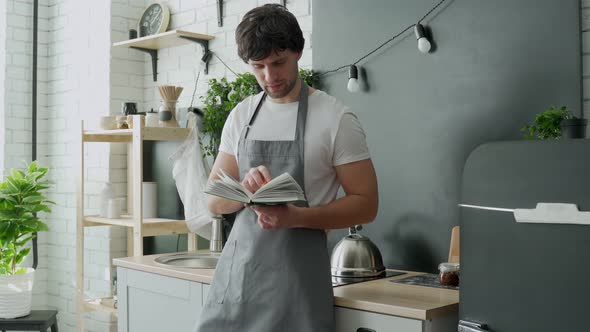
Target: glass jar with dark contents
[{"x": 449, "y": 274}]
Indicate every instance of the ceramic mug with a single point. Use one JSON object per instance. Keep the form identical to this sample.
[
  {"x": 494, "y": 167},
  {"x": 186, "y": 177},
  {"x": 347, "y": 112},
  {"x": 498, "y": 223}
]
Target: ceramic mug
[
  {"x": 151, "y": 119},
  {"x": 114, "y": 208},
  {"x": 129, "y": 108}
]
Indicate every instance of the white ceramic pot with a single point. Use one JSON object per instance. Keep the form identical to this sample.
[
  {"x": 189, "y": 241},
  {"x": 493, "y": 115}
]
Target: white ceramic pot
[{"x": 16, "y": 293}]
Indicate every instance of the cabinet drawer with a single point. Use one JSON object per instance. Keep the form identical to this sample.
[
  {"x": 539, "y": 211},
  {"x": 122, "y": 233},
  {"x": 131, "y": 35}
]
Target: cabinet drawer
[
  {"x": 155, "y": 283},
  {"x": 349, "y": 320},
  {"x": 150, "y": 302}
]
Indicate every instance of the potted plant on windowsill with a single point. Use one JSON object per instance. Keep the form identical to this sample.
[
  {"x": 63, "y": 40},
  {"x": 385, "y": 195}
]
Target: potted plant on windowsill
[
  {"x": 21, "y": 198},
  {"x": 556, "y": 123}
]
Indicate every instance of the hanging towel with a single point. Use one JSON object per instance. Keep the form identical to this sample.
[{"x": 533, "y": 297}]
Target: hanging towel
[{"x": 191, "y": 172}]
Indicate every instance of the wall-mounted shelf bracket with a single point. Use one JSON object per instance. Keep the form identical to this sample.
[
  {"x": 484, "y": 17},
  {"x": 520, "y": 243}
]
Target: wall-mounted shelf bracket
[
  {"x": 220, "y": 13},
  {"x": 154, "y": 56},
  {"x": 206, "y": 54},
  {"x": 151, "y": 44}
]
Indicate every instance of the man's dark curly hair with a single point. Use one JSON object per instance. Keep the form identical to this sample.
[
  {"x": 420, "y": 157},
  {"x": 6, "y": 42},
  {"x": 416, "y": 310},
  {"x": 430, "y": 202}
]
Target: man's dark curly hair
[{"x": 266, "y": 29}]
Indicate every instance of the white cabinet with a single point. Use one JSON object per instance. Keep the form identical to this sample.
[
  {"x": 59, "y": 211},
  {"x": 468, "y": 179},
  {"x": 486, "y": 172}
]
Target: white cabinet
[
  {"x": 349, "y": 320},
  {"x": 151, "y": 302}
]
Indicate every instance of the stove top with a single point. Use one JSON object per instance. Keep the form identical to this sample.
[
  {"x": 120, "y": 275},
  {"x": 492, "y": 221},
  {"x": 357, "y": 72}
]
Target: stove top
[{"x": 341, "y": 281}]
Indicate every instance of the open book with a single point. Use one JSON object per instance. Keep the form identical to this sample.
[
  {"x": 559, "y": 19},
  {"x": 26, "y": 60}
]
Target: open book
[{"x": 280, "y": 190}]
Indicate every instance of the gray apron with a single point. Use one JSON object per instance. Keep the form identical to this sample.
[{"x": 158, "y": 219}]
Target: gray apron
[{"x": 271, "y": 280}]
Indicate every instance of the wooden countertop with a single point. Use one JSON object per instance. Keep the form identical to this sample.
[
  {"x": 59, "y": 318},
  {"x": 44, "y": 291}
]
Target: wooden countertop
[
  {"x": 386, "y": 297},
  {"x": 379, "y": 296},
  {"x": 147, "y": 264}
]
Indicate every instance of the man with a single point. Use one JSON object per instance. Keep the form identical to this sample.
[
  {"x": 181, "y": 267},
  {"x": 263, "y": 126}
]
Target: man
[{"x": 274, "y": 272}]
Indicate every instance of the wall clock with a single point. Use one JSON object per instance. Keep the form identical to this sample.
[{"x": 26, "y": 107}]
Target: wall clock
[{"x": 154, "y": 20}]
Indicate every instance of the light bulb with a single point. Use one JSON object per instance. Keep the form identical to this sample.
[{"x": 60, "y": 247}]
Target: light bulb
[
  {"x": 353, "y": 83},
  {"x": 424, "y": 45},
  {"x": 423, "y": 42}
]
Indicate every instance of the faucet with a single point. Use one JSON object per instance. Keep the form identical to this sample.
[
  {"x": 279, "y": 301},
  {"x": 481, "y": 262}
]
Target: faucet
[{"x": 216, "y": 241}]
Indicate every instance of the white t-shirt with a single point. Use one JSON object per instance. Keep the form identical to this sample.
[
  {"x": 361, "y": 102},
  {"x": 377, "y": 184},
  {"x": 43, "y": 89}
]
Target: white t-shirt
[{"x": 333, "y": 137}]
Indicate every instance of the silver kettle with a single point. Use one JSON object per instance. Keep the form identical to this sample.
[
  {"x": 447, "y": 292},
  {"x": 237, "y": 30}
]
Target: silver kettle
[{"x": 356, "y": 256}]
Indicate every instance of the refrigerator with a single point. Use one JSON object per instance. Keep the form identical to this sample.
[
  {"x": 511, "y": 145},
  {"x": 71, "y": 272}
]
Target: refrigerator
[{"x": 525, "y": 238}]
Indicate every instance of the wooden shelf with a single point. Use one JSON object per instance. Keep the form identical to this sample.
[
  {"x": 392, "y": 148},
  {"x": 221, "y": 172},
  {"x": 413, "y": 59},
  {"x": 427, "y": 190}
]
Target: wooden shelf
[
  {"x": 103, "y": 304},
  {"x": 126, "y": 135},
  {"x": 137, "y": 228},
  {"x": 166, "y": 39},
  {"x": 165, "y": 134},
  {"x": 151, "y": 45},
  {"x": 118, "y": 135},
  {"x": 151, "y": 226}
]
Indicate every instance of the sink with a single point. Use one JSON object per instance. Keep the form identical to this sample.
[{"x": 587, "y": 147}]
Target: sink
[{"x": 189, "y": 260}]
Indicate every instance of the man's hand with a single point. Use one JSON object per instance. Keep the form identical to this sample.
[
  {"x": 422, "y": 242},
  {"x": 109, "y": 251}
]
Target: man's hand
[
  {"x": 256, "y": 178},
  {"x": 276, "y": 217}
]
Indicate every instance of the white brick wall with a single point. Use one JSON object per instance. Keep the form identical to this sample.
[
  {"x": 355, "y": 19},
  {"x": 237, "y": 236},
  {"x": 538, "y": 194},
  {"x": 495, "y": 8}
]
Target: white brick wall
[
  {"x": 17, "y": 84},
  {"x": 3, "y": 72},
  {"x": 73, "y": 84},
  {"x": 179, "y": 65},
  {"x": 16, "y": 101}
]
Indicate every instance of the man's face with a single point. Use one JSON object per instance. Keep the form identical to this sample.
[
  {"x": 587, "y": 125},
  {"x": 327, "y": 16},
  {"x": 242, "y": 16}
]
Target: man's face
[{"x": 278, "y": 73}]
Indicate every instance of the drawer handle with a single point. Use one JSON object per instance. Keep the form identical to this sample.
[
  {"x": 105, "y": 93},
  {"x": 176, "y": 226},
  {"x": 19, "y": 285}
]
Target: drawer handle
[
  {"x": 364, "y": 329},
  {"x": 469, "y": 326}
]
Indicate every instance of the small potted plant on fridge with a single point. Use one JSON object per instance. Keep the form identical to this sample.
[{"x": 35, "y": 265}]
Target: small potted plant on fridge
[
  {"x": 21, "y": 198},
  {"x": 555, "y": 123}
]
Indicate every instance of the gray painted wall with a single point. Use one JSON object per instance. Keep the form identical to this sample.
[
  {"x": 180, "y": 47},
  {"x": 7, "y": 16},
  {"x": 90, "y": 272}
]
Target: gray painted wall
[{"x": 496, "y": 64}]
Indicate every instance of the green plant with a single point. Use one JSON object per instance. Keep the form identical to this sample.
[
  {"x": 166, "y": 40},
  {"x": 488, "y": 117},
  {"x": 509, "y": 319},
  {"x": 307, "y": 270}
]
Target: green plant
[
  {"x": 310, "y": 77},
  {"x": 546, "y": 124},
  {"x": 222, "y": 96},
  {"x": 21, "y": 198}
]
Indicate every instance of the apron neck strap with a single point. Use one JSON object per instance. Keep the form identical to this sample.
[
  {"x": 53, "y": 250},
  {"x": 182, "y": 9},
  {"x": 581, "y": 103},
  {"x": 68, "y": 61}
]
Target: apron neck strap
[{"x": 302, "y": 112}]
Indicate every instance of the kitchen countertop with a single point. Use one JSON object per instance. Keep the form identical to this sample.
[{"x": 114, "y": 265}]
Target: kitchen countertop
[{"x": 379, "y": 296}]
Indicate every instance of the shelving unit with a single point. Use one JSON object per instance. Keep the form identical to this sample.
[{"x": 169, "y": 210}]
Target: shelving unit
[
  {"x": 151, "y": 45},
  {"x": 137, "y": 226}
]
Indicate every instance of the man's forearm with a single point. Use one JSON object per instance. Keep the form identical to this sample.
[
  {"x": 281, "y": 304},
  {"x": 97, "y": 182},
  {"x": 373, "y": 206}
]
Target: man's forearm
[
  {"x": 219, "y": 206},
  {"x": 342, "y": 213}
]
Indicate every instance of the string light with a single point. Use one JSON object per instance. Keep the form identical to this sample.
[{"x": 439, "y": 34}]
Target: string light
[
  {"x": 353, "y": 85},
  {"x": 423, "y": 44}
]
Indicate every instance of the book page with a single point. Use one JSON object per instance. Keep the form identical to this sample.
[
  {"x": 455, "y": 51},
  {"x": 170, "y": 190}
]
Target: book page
[
  {"x": 229, "y": 180},
  {"x": 228, "y": 187},
  {"x": 282, "y": 189}
]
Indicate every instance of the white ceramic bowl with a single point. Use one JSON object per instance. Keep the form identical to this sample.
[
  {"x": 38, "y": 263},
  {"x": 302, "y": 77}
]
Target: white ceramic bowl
[{"x": 107, "y": 122}]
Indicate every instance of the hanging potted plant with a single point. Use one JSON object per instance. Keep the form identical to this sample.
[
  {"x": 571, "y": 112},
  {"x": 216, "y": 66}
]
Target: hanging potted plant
[
  {"x": 556, "y": 123},
  {"x": 21, "y": 198}
]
